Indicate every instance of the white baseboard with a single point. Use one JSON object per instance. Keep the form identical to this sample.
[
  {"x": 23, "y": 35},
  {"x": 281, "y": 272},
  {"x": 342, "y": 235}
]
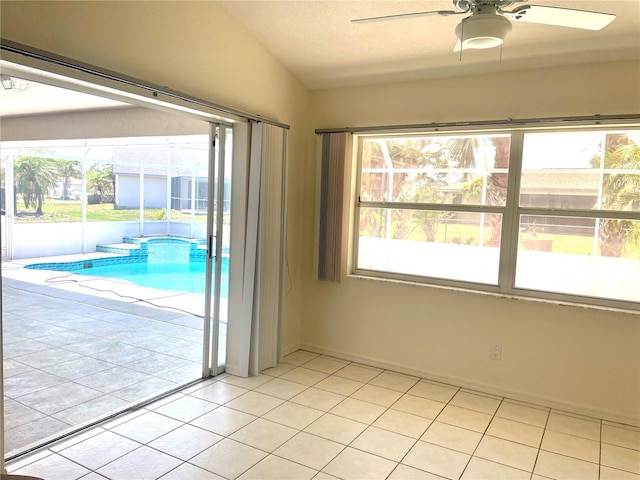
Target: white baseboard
[
  {"x": 233, "y": 370},
  {"x": 290, "y": 349},
  {"x": 549, "y": 402}
]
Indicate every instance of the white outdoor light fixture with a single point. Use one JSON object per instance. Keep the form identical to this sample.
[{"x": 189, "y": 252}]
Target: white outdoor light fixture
[
  {"x": 482, "y": 31},
  {"x": 15, "y": 84}
]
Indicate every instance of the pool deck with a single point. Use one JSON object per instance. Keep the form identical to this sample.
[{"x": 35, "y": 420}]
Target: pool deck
[{"x": 77, "y": 348}]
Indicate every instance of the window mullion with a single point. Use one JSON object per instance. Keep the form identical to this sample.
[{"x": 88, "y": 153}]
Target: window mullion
[
  {"x": 510, "y": 221},
  {"x": 356, "y": 216},
  {"x": 445, "y": 207},
  {"x": 617, "y": 214}
]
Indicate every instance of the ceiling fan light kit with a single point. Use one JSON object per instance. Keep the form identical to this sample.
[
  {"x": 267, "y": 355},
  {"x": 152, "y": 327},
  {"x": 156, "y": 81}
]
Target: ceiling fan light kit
[{"x": 483, "y": 31}]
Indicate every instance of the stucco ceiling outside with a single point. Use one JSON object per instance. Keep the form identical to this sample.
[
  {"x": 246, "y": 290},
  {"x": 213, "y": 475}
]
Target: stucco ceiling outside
[
  {"x": 318, "y": 43},
  {"x": 39, "y": 98}
]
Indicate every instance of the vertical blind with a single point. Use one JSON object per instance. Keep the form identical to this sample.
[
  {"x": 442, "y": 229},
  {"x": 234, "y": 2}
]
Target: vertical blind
[
  {"x": 255, "y": 298},
  {"x": 332, "y": 163},
  {"x": 270, "y": 250}
]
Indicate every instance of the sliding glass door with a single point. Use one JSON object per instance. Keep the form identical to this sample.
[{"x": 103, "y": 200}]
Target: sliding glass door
[
  {"x": 116, "y": 291},
  {"x": 217, "y": 264}
]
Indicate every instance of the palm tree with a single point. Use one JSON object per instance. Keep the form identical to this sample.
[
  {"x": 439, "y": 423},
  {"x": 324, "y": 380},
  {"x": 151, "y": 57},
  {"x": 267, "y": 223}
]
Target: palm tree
[
  {"x": 424, "y": 189},
  {"x": 620, "y": 191},
  {"x": 465, "y": 150},
  {"x": 67, "y": 169},
  {"x": 497, "y": 186},
  {"x": 409, "y": 154},
  {"x": 34, "y": 177},
  {"x": 102, "y": 181},
  {"x": 415, "y": 187},
  {"x": 468, "y": 152}
]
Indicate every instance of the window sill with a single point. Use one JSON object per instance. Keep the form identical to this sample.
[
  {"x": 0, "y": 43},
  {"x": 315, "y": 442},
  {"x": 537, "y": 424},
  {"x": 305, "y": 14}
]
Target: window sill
[{"x": 508, "y": 296}]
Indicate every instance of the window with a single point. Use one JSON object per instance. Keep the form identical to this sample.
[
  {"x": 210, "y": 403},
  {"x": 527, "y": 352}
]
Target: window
[{"x": 554, "y": 214}]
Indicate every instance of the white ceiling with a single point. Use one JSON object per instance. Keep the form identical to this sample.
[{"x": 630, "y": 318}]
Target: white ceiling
[{"x": 316, "y": 40}]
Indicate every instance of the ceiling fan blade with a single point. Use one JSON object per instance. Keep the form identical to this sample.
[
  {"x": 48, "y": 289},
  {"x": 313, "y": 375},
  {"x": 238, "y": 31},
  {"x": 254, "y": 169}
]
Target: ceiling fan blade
[
  {"x": 562, "y": 17},
  {"x": 400, "y": 16}
]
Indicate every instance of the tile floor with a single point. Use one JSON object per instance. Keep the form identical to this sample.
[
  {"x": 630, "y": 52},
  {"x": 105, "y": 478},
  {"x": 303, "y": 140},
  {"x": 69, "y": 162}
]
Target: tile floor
[
  {"x": 71, "y": 357},
  {"x": 323, "y": 418}
]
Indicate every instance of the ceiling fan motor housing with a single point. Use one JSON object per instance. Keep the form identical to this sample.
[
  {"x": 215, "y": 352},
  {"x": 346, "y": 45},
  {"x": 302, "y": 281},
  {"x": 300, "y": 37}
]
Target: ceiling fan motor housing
[{"x": 469, "y": 5}]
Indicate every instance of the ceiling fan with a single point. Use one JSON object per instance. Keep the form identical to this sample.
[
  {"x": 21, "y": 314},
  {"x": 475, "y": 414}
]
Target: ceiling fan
[{"x": 489, "y": 23}]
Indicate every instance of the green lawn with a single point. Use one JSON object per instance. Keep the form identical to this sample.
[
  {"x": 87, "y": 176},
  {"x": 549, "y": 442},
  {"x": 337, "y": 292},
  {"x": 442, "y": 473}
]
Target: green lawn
[
  {"x": 577, "y": 244},
  {"x": 61, "y": 211},
  {"x": 468, "y": 235}
]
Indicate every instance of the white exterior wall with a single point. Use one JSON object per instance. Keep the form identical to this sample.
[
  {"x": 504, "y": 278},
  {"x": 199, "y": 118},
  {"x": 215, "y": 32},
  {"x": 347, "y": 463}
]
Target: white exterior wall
[
  {"x": 128, "y": 192},
  {"x": 51, "y": 239}
]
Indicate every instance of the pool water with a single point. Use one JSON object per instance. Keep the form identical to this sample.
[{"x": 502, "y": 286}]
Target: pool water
[{"x": 181, "y": 276}]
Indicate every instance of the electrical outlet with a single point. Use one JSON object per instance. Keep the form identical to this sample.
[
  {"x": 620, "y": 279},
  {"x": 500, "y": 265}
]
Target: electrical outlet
[{"x": 496, "y": 351}]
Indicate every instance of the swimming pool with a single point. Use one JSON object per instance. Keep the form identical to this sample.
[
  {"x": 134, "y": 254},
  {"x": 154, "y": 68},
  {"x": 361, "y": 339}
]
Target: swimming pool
[
  {"x": 165, "y": 264},
  {"x": 183, "y": 277}
]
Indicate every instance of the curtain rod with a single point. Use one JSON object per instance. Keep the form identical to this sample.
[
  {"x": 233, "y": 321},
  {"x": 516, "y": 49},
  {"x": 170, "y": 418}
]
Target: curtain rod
[
  {"x": 48, "y": 57},
  {"x": 509, "y": 122}
]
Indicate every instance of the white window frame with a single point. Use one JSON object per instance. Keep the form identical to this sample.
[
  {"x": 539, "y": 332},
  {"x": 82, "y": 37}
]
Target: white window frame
[{"x": 511, "y": 213}]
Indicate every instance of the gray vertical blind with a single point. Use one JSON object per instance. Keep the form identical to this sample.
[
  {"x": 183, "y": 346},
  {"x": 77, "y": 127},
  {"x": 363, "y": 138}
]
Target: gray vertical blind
[{"x": 330, "y": 215}]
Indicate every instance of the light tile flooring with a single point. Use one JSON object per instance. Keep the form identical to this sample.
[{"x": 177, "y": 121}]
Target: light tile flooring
[{"x": 324, "y": 418}]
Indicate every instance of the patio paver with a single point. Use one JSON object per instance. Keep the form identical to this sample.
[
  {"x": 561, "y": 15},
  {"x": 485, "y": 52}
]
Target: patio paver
[{"x": 74, "y": 355}]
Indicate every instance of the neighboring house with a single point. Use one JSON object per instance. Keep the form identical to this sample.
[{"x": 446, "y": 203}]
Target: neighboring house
[
  {"x": 128, "y": 186},
  {"x": 575, "y": 188},
  {"x": 169, "y": 172},
  {"x": 554, "y": 188}
]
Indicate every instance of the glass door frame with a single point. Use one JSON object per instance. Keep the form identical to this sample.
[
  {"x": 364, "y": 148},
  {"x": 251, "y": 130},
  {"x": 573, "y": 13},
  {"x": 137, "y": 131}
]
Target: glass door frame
[{"x": 213, "y": 270}]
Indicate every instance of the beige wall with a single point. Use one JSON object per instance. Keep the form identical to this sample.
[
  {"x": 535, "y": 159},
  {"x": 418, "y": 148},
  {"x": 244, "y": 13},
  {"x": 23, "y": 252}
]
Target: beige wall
[
  {"x": 577, "y": 358},
  {"x": 193, "y": 47},
  {"x": 607, "y": 88}
]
